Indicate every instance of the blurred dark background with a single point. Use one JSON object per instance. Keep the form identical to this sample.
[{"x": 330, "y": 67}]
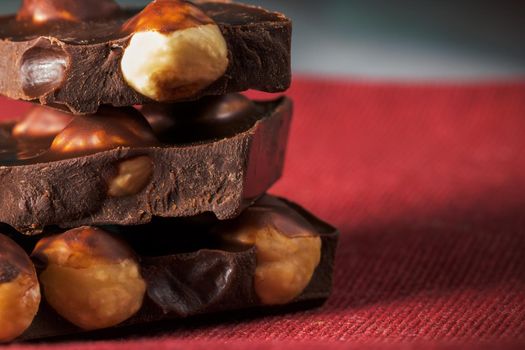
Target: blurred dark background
[{"x": 402, "y": 39}]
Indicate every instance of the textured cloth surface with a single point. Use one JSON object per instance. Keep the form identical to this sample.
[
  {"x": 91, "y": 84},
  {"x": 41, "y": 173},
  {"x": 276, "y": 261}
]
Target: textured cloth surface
[{"x": 427, "y": 186}]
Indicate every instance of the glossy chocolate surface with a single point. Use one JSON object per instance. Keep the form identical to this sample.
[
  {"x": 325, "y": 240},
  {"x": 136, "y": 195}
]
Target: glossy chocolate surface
[
  {"x": 76, "y": 64},
  {"x": 219, "y": 173},
  {"x": 101, "y": 29},
  {"x": 208, "y": 118},
  {"x": 191, "y": 274}
]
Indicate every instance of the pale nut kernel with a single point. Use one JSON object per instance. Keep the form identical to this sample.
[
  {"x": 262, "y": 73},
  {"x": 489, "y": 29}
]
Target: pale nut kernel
[
  {"x": 167, "y": 66},
  {"x": 287, "y": 252},
  {"x": 19, "y": 290},
  {"x": 132, "y": 176},
  {"x": 90, "y": 278}
]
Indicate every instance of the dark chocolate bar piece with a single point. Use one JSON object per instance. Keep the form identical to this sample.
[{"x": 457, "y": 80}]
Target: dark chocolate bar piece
[
  {"x": 221, "y": 163},
  {"x": 77, "y": 65},
  {"x": 197, "y": 282}
]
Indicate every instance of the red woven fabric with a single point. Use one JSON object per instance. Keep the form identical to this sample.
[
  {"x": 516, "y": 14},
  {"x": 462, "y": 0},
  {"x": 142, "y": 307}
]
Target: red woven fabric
[{"x": 427, "y": 185}]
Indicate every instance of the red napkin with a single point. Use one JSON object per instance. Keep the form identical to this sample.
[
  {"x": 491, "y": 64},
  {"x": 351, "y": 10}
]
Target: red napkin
[{"x": 427, "y": 185}]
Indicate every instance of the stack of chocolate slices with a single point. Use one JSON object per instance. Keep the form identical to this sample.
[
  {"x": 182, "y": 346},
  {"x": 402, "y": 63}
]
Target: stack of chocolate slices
[{"x": 134, "y": 189}]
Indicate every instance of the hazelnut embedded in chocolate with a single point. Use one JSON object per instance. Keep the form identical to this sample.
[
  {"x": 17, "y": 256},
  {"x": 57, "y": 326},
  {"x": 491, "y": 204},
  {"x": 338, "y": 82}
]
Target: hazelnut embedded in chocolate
[
  {"x": 41, "y": 123},
  {"x": 90, "y": 278},
  {"x": 174, "y": 52},
  {"x": 288, "y": 249},
  {"x": 19, "y": 290},
  {"x": 42, "y": 11},
  {"x": 132, "y": 176},
  {"x": 43, "y": 68},
  {"x": 109, "y": 128}
]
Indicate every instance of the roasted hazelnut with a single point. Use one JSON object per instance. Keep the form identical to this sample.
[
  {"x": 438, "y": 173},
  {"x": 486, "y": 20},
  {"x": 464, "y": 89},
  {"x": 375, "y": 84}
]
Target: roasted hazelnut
[
  {"x": 41, "y": 123},
  {"x": 42, "y": 11},
  {"x": 287, "y": 247},
  {"x": 19, "y": 290},
  {"x": 43, "y": 68},
  {"x": 109, "y": 128},
  {"x": 175, "y": 51},
  {"x": 132, "y": 176},
  {"x": 90, "y": 278}
]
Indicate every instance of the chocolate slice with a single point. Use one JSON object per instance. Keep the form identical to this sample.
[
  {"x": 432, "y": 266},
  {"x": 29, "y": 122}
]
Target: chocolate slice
[
  {"x": 76, "y": 65},
  {"x": 192, "y": 281},
  {"x": 185, "y": 175}
]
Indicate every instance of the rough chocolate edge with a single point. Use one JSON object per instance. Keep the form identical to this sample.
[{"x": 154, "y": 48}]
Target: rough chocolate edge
[
  {"x": 259, "y": 56},
  {"x": 48, "y": 324},
  {"x": 222, "y": 177}
]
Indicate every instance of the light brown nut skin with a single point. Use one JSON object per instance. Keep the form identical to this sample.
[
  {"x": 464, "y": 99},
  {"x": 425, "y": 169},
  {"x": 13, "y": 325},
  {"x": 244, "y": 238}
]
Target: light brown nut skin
[
  {"x": 19, "y": 290},
  {"x": 90, "y": 278},
  {"x": 288, "y": 249},
  {"x": 108, "y": 129}
]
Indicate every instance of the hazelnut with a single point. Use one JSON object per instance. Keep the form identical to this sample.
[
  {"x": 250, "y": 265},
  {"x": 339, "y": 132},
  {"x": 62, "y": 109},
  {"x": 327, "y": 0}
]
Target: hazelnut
[
  {"x": 42, "y": 11},
  {"x": 288, "y": 249},
  {"x": 19, "y": 290},
  {"x": 43, "y": 68},
  {"x": 90, "y": 278},
  {"x": 41, "y": 123},
  {"x": 109, "y": 128},
  {"x": 133, "y": 175},
  {"x": 174, "y": 52}
]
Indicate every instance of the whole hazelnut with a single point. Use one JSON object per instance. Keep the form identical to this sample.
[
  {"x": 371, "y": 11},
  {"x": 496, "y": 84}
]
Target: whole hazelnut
[
  {"x": 90, "y": 278},
  {"x": 41, "y": 123},
  {"x": 42, "y": 11},
  {"x": 287, "y": 247},
  {"x": 109, "y": 128},
  {"x": 19, "y": 290},
  {"x": 43, "y": 68},
  {"x": 175, "y": 51}
]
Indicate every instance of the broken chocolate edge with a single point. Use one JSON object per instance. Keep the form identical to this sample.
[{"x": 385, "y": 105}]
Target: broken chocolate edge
[
  {"x": 265, "y": 66},
  {"x": 29, "y": 203},
  {"x": 49, "y": 325}
]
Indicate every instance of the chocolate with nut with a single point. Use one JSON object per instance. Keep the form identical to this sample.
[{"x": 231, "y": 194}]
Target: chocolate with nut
[
  {"x": 114, "y": 168},
  {"x": 60, "y": 53},
  {"x": 19, "y": 290},
  {"x": 191, "y": 274}
]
